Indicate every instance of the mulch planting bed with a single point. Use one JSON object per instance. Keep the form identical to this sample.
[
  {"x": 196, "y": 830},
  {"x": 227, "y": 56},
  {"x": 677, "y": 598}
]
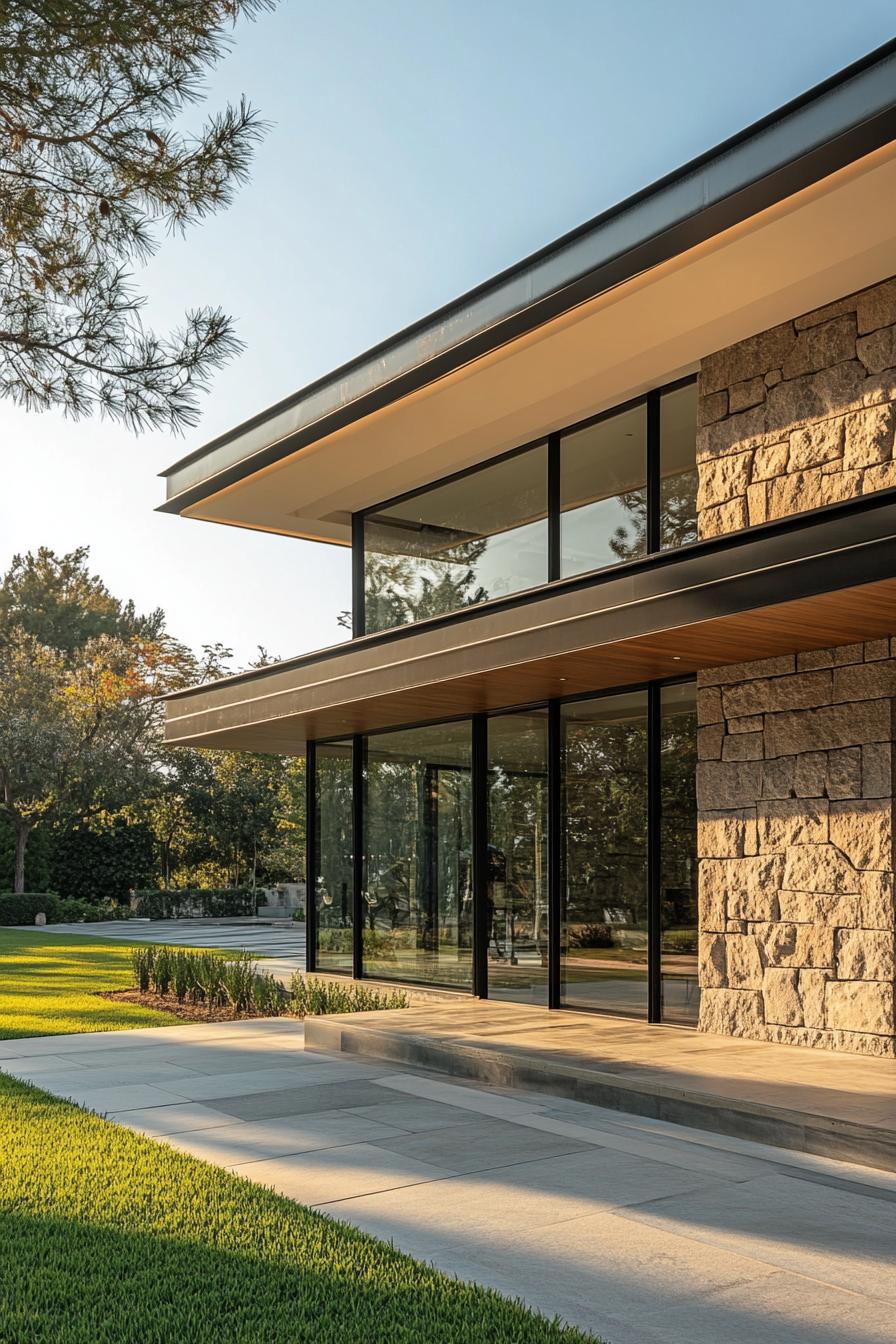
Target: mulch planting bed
[{"x": 190, "y": 1012}]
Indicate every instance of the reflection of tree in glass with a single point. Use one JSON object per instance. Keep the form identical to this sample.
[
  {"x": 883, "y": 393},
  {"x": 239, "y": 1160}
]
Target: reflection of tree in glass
[
  {"x": 678, "y": 517},
  {"x": 606, "y": 820},
  {"x": 401, "y": 589}
]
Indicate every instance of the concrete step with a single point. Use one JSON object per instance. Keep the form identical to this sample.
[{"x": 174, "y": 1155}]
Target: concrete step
[{"x": 368, "y": 1036}]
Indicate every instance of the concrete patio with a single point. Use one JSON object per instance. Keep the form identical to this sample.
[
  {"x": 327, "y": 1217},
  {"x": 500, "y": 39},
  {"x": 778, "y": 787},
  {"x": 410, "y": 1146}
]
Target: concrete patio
[
  {"x": 638, "y": 1230},
  {"x": 834, "y": 1105}
]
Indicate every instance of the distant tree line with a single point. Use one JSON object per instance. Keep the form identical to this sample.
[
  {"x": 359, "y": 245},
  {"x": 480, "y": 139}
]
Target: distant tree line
[{"x": 92, "y": 803}]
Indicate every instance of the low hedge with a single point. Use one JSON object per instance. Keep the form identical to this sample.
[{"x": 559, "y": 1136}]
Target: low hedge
[
  {"x": 22, "y": 909},
  {"x": 194, "y": 903}
]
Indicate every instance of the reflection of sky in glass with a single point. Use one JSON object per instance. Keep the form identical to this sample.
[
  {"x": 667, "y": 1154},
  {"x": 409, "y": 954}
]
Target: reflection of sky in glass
[{"x": 586, "y": 534}]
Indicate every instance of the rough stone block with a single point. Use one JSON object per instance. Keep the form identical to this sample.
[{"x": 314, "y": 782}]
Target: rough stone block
[
  {"x": 750, "y": 723},
  {"x": 791, "y": 821},
  {"x": 859, "y": 1005},
  {"x": 814, "y": 396},
  {"x": 869, "y": 436},
  {"x": 877, "y": 902},
  {"x": 709, "y": 705},
  {"x": 819, "y": 315},
  {"x": 807, "y": 690},
  {"x": 876, "y": 649},
  {"x": 865, "y": 954},
  {"x": 731, "y": 1012},
  {"x": 724, "y": 518},
  {"x": 857, "y": 1043},
  {"x": 770, "y": 460},
  {"x": 877, "y": 770},
  {"x": 810, "y": 773},
  {"x": 726, "y": 835},
  {"x": 722, "y": 784},
  {"x": 773, "y": 377},
  {"x": 844, "y": 725},
  {"x": 711, "y": 408},
  {"x": 723, "y": 479},
  {"x": 843, "y": 777},
  {"x": 863, "y": 831},
  {"x": 821, "y": 868},
  {"x": 742, "y": 747},
  {"x": 879, "y": 388},
  {"x": 744, "y": 963},
  {"x": 757, "y": 504},
  {"x": 882, "y": 477},
  {"x": 876, "y": 307},
  {"x": 748, "y": 887},
  {"x": 713, "y": 962},
  {"x": 878, "y": 351},
  {"x": 796, "y": 492},
  {"x": 737, "y": 434},
  {"x": 781, "y": 1000},
  {"x": 709, "y": 742},
  {"x": 812, "y": 990},
  {"x": 749, "y": 358},
  {"x": 778, "y": 666},
  {"x": 751, "y": 392},
  {"x": 820, "y": 347},
  {"x": 778, "y": 942},
  {"x": 865, "y": 681},
  {"x": 838, "y": 912},
  {"x": 778, "y": 777},
  {"x": 815, "y": 444}
]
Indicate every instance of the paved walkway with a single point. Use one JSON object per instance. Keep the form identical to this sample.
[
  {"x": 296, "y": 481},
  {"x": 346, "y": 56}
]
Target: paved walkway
[
  {"x": 643, "y": 1232},
  {"x": 285, "y": 946}
]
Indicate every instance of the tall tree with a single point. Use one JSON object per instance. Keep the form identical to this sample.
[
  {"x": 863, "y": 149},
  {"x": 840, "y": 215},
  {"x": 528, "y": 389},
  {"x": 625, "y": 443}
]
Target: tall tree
[{"x": 92, "y": 167}]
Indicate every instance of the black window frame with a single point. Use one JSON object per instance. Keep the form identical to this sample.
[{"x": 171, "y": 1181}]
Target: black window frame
[
  {"x": 479, "y": 825},
  {"x": 651, "y": 400}
]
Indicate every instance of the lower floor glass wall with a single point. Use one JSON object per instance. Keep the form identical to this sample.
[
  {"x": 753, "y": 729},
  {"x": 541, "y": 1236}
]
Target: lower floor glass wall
[
  {"x": 459, "y": 884},
  {"x": 417, "y": 898}
]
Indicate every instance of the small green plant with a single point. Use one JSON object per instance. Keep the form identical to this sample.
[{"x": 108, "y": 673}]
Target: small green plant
[
  {"x": 311, "y": 997},
  {"x": 141, "y": 961}
]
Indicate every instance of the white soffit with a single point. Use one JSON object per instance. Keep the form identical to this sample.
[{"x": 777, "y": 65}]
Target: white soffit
[{"x": 826, "y": 242}]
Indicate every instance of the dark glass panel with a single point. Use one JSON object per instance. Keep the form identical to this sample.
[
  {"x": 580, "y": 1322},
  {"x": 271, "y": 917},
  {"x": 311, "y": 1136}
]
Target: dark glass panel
[
  {"x": 603, "y": 492},
  {"x": 479, "y": 536},
  {"x": 678, "y": 879},
  {"x": 418, "y": 895},
  {"x": 604, "y": 889},
  {"x": 517, "y": 893},
  {"x": 678, "y": 467},
  {"x": 333, "y": 881}
]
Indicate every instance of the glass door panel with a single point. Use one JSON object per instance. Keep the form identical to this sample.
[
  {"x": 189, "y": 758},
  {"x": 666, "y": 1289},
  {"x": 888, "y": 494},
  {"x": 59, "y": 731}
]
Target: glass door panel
[
  {"x": 517, "y": 863},
  {"x": 678, "y": 868},
  {"x": 604, "y": 895}
]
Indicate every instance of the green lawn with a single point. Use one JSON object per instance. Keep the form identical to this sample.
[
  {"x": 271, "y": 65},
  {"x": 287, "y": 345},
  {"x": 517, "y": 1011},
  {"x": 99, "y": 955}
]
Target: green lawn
[
  {"x": 111, "y": 1238},
  {"x": 48, "y": 985}
]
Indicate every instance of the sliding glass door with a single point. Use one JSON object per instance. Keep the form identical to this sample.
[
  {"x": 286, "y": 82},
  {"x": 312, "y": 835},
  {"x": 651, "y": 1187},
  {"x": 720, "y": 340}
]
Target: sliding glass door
[
  {"x": 604, "y": 892},
  {"x": 517, "y": 862}
]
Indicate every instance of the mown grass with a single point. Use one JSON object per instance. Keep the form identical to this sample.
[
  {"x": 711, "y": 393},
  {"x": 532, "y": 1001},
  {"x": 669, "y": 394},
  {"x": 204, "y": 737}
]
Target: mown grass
[
  {"x": 49, "y": 983},
  {"x": 110, "y": 1238}
]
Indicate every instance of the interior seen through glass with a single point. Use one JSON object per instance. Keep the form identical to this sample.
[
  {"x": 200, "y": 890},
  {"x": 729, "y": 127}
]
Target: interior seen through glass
[
  {"x": 484, "y": 534},
  {"x": 517, "y": 893},
  {"x": 416, "y": 897}
]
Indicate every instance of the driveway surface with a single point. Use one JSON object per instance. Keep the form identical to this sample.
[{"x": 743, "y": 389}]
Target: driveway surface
[
  {"x": 636, "y": 1230},
  {"x": 284, "y": 945}
]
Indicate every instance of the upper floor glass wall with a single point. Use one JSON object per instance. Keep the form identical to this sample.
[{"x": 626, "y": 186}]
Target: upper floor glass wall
[
  {"x": 470, "y": 538},
  {"x": 609, "y": 490}
]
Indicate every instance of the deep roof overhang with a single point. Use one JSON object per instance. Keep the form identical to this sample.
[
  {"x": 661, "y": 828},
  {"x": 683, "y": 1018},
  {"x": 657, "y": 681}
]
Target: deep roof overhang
[
  {"x": 793, "y": 158},
  {"x": 815, "y": 580}
]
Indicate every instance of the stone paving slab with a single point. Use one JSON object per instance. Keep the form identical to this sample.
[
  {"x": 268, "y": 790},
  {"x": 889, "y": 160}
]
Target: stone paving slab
[{"x": 636, "y": 1229}]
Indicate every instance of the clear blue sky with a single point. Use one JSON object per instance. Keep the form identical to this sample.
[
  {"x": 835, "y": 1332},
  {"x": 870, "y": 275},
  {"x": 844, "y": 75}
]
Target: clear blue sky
[{"x": 418, "y": 147}]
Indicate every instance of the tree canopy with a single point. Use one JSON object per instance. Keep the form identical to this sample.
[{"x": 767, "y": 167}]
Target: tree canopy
[{"x": 93, "y": 166}]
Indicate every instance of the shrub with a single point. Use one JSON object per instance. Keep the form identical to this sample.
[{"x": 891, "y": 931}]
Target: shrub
[
  {"x": 193, "y": 903},
  {"x": 86, "y": 912},
  {"x": 298, "y": 916},
  {"x": 591, "y": 935},
  {"x": 680, "y": 940},
  {"x": 22, "y": 909},
  {"x": 315, "y": 998}
]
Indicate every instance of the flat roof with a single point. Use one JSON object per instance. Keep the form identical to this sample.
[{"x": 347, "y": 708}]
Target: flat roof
[{"x": 839, "y": 121}]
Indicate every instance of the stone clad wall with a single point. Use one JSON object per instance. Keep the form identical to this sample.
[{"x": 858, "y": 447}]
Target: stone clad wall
[
  {"x": 795, "y": 775},
  {"x": 799, "y": 416}
]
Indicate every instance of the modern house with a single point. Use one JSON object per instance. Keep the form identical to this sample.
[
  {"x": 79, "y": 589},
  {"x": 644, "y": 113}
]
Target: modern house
[{"x": 614, "y": 728}]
